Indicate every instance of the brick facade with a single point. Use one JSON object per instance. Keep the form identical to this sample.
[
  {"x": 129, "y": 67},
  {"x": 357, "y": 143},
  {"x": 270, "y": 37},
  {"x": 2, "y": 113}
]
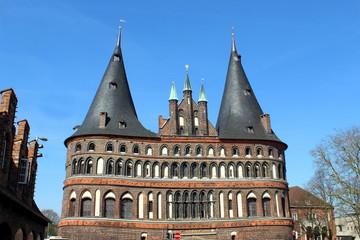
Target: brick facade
[
  {"x": 20, "y": 218},
  {"x": 185, "y": 179}
]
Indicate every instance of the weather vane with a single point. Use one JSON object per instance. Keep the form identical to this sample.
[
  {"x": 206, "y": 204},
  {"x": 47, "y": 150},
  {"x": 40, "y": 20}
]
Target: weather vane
[
  {"x": 202, "y": 80},
  {"x": 187, "y": 67},
  {"x": 233, "y": 29}
]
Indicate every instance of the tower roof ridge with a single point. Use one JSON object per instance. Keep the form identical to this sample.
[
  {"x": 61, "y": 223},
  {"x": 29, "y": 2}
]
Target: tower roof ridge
[
  {"x": 202, "y": 96},
  {"x": 173, "y": 94}
]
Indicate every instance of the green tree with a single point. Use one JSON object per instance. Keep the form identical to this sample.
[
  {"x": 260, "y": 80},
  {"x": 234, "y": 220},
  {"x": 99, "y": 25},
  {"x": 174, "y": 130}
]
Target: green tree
[
  {"x": 52, "y": 228},
  {"x": 337, "y": 178}
]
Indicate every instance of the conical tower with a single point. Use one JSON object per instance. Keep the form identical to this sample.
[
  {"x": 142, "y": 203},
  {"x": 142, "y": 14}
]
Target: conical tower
[
  {"x": 240, "y": 115},
  {"x": 112, "y": 111}
]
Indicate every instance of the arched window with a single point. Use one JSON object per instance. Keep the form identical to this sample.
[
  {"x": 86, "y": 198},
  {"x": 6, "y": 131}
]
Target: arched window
[
  {"x": 78, "y": 147},
  {"x": 196, "y": 121},
  {"x": 74, "y": 167},
  {"x": 89, "y": 166},
  {"x": 91, "y": 147},
  {"x": 128, "y": 168},
  {"x": 164, "y": 151},
  {"x": 169, "y": 205},
  {"x": 265, "y": 169},
  {"x": 211, "y": 152},
  {"x": 266, "y": 207},
  {"x": 283, "y": 205},
  {"x": 136, "y": 150},
  {"x": 251, "y": 205},
  {"x": 72, "y": 205},
  {"x": 247, "y": 152},
  {"x": 175, "y": 170},
  {"x": 187, "y": 151},
  {"x": 148, "y": 150},
  {"x": 86, "y": 206},
  {"x": 257, "y": 170},
  {"x": 165, "y": 170},
  {"x": 198, "y": 151},
  {"x": 230, "y": 205},
  {"x": 109, "y": 208},
  {"x": 177, "y": 205},
  {"x": 126, "y": 208},
  {"x": 193, "y": 205},
  {"x": 235, "y": 151},
  {"x": 109, "y": 147},
  {"x": 248, "y": 170},
  {"x": 240, "y": 171},
  {"x": 100, "y": 166},
  {"x": 259, "y": 152},
  {"x": 271, "y": 153},
  {"x": 202, "y": 205},
  {"x": 222, "y": 152},
  {"x": 81, "y": 167},
  {"x": 151, "y": 205},
  {"x": 138, "y": 169},
  {"x": 211, "y": 204},
  {"x": 118, "y": 168},
  {"x": 213, "y": 171},
  {"x": 156, "y": 170},
  {"x": 186, "y": 205},
  {"x": 141, "y": 205},
  {"x": 110, "y": 167},
  {"x": 280, "y": 172},
  {"x": 122, "y": 148},
  {"x": 222, "y": 205},
  {"x": 176, "y": 151},
  {"x": 184, "y": 170},
  {"x": 181, "y": 121},
  {"x": 203, "y": 170},
  {"x": 222, "y": 173},
  {"x": 147, "y": 168},
  {"x": 231, "y": 172},
  {"x": 193, "y": 170}
]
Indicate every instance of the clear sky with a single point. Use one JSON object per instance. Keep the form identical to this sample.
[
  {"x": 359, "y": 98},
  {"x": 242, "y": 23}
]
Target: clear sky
[{"x": 302, "y": 59}]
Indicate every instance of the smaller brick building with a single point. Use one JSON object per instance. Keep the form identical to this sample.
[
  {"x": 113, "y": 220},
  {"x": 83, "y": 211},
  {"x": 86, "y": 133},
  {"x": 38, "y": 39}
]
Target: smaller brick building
[
  {"x": 313, "y": 217},
  {"x": 20, "y": 218}
]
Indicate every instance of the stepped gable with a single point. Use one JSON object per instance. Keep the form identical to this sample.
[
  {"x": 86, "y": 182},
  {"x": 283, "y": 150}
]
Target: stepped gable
[{"x": 112, "y": 111}]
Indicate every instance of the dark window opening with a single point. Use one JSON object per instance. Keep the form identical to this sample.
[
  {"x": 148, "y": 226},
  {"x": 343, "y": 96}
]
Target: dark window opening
[
  {"x": 86, "y": 207},
  {"x": 122, "y": 149},
  {"x": 112, "y": 85},
  {"x": 109, "y": 210},
  {"x": 122, "y": 125},
  {"x": 250, "y": 129},
  {"x": 91, "y": 147},
  {"x": 126, "y": 208},
  {"x": 78, "y": 148},
  {"x": 251, "y": 202},
  {"x": 266, "y": 207},
  {"x": 248, "y": 92},
  {"x": 109, "y": 148},
  {"x": 136, "y": 149}
]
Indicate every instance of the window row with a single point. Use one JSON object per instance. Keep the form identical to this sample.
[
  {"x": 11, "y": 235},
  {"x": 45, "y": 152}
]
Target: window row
[
  {"x": 177, "y": 170},
  {"x": 178, "y": 205},
  {"x": 188, "y": 151}
]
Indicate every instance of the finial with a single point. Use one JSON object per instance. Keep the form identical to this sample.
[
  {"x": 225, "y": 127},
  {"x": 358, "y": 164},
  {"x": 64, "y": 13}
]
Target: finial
[
  {"x": 187, "y": 67},
  {"x": 202, "y": 80},
  {"x": 233, "y": 47},
  {"x": 121, "y": 21},
  {"x": 119, "y": 34}
]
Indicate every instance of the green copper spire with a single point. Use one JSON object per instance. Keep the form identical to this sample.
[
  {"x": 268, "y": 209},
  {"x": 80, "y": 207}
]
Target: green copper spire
[
  {"x": 202, "y": 97},
  {"x": 187, "y": 85},
  {"x": 173, "y": 94}
]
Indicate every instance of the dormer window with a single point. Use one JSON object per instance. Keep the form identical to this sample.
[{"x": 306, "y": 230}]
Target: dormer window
[
  {"x": 250, "y": 129},
  {"x": 248, "y": 92},
  {"x": 122, "y": 124},
  {"x": 112, "y": 85},
  {"x": 116, "y": 58}
]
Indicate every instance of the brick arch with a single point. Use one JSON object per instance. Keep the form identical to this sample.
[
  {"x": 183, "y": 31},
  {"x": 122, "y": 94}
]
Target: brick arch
[{"x": 20, "y": 234}]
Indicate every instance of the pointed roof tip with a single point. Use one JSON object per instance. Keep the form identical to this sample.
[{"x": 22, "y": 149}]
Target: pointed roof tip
[
  {"x": 202, "y": 96},
  {"x": 187, "y": 85},
  {"x": 117, "y": 47},
  {"x": 233, "y": 46},
  {"x": 173, "y": 94}
]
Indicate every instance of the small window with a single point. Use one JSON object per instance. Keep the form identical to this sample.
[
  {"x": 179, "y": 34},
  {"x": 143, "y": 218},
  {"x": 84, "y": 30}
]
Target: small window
[
  {"x": 122, "y": 124},
  {"x": 250, "y": 129},
  {"x": 235, "y": 151},
  {"x": 196, "y": 121},
  {"x": 248, "y": 92},
  {"x": 187, "y": 150},
  {"x": 112, "y": 85},
  {"x": 164, "y": 151},
  {"x": 136, "y": 150},
  {"x": 271, "y": 153},
  {"x": 78, "y": 147},
  {"x": 91, "y": 147},
  {"x": 109, "y": 147},
  {"x": 181, "y": 121},
  {"x": 247, "y": 151},
  {"x": 148, "y": 151},
  {"x": 116, "y": 58},
  {"x": 259, "y": 152},
  {"x": 222, "y": 152},
  {"x": 122, "y": 149},
  {"x": 24, "y": 171},
  {"x": 198, "y": 151},
  {"x": 176, "y": 151},
  {"x": 294, "y": 216},
  {"x": 211, "y": 151}
]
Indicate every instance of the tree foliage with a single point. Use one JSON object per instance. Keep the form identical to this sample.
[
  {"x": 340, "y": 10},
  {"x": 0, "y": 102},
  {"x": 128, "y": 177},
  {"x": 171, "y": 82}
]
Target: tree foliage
[
  {"x": 52, "y": 228},
  {"x": 337, "y": 178}
]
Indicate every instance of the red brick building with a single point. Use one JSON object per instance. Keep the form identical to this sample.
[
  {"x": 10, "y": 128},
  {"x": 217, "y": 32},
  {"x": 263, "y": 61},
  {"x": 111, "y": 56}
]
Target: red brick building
[
  {"x": 19, "y": 216},
  {"x": 313, "y": 217},
  {"x": 204, "y": 182}
]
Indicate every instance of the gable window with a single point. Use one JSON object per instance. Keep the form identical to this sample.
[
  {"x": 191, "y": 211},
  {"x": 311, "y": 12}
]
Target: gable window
[{"x": 24, "y": 171}]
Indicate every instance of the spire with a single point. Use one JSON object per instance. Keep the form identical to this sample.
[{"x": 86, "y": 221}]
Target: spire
[
  {"x": 173, "y": 94},
  {"x": 187, "y": 85},
  {"x": 112, "y": 111},
  {"x": 202, "y": 96},
  {"x": 239, "y": 115}
]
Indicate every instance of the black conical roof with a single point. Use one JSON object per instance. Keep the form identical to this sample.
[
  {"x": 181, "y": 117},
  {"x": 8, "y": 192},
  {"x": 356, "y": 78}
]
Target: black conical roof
[
  {"x": 239, "y": 115},
  {"x": 113, "y": 97}
]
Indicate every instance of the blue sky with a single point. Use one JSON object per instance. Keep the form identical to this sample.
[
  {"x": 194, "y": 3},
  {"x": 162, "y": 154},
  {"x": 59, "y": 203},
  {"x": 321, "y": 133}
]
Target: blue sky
[{"x": 302, "y": 59}]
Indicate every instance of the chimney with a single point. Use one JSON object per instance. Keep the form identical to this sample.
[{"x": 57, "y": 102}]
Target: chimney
[{"x": 265, "y": 120}]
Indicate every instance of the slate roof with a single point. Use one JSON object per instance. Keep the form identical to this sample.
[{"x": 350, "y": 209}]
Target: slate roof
[
  {"x": 113, "y": 96},
  {"x": 239, "y": 115}
]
